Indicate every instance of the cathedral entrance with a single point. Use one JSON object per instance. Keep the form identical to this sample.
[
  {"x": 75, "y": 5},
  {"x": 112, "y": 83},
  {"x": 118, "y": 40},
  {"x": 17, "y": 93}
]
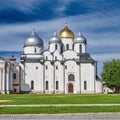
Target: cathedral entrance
[{"x": 70, "y": 88}]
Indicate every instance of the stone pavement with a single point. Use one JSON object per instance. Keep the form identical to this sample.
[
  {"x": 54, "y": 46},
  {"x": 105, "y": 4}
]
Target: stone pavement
[
  {"x": 72, "y": 116},
  {"x": 81, "y": 116}
]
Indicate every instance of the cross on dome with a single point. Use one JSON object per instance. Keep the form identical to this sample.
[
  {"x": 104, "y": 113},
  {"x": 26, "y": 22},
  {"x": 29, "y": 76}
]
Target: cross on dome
[
  {"x": 55, "y": 33},
  {"x": 80, "y": 34}
]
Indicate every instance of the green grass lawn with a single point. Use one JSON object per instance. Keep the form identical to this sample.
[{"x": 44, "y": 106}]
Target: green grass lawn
[
  {"x": 19, "y": 99},
  {"x": 59, "y": 99},
  {"x": 56, "y": 110}
]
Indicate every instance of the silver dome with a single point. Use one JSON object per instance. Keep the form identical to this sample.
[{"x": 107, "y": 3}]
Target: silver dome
[
  {"x": 55, "y": 38},
  {"x": 33, "y": 40},
  {"x": 80, "y": 39}
]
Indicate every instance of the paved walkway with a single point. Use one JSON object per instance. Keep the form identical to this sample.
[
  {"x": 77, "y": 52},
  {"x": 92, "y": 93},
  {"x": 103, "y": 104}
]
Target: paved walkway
[
  {"x": 81, "y": 116},
  {"x": 57, "y": 105}
]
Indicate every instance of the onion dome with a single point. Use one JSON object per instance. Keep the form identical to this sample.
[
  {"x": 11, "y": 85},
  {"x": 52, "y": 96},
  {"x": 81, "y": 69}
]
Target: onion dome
[
  {"x": 66, "y": 33},
  {"x": 80, "y": 39},
  {"x": 33, "y": 40},
  {"x": 55, "y": 38}
]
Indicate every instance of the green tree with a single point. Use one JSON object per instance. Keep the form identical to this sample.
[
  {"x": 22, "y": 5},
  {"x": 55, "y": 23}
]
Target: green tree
[{"x": 111, "y": 74}]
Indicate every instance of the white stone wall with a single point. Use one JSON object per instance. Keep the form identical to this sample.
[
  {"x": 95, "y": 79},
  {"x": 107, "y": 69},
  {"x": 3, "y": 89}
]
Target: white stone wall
[
  {"x": 22, "y": 81},
  {"x": 70, "y": 55},
  {"x": 1, "y": 79},
  {"x": 88, "y": 75},
  {"x": 49, "y": 76},
  {"x": 99, "y": 86},
  {"x": 2, "y": 67},
  {"x": 33, "y": 72},
  {"x": 59, "y": 76}
]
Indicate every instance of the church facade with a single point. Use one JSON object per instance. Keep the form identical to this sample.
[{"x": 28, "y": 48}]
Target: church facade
[
  {"x": 66, "y": 67},
  {"x": 9, "y": 75}
]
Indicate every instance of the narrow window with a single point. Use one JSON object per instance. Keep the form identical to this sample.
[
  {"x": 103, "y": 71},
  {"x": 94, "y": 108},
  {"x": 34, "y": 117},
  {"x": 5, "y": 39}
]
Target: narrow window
[
  {"x": 56, "y": 47},
  {"x": 32, "y": 85},
  {"x": 56, "y": 67},
  {"x": 65, "y": 67},
  {"x": 57, "y": 85},
  {"x": 73, "y": 47},
  {"x": 80, "y": 48},
  {"x": 85, "y": 85},
  {"x": 61, "y": 48},
  {"x": 46, "y": 85},
  {"x": 71, "y": 77},
  {"x": 55, "y": 57},
  {"x": 67, "y": 46},
  {"x": 35, "y": 50},
  {"x": 46, "y": 67},
  {"x": 46, "y": 57},
  {"x": 14, "y": 75}
]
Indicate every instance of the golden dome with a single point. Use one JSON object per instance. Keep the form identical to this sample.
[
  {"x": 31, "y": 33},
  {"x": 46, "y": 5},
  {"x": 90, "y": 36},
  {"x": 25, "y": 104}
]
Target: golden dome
[{"x": 66, "y": 33}]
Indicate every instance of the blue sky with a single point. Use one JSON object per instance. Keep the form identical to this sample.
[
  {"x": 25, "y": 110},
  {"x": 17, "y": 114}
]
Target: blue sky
[{"x": 98, "y": 20}]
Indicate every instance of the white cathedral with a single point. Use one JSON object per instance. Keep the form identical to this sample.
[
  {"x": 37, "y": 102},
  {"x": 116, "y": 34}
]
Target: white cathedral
[{"x": 64, "y": 68}]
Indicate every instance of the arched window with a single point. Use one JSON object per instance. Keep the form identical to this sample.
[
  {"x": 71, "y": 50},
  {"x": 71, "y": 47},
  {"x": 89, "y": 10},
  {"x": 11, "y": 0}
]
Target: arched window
[
  {"x": 14, "y": 75},
  {"x": 85, "y": 85},
  {"x": 56, "y": 67},
  {"x": 46, "y": 57},
  {"x": 80, "y": 48},
  {"x": 71, "y": 77},
  {"x": 57, "y": 85},
  {"x": 46, "y": 67},
  {"x": 47, "y": 85},
  {"x": 32, "y": 85}
]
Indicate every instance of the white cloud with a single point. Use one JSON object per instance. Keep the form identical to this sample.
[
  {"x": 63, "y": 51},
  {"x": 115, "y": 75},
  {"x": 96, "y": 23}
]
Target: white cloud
[
  {"x": 85, "y": 23},
  {"x": 12, "y": 36},
  {"x": 24, "y": 6},
  {"x": 62, "y": 6}
]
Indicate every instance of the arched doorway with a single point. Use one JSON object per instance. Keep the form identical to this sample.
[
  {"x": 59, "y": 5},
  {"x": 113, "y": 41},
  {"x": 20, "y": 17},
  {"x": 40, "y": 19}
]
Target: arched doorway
[{"x": 70, "y": 88}]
